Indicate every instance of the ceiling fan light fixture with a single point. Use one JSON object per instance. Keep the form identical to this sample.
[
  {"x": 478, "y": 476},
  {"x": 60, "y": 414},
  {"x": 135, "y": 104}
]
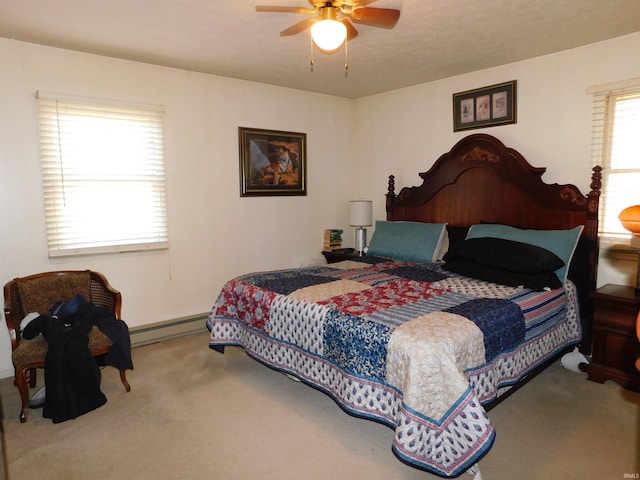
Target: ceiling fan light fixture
[{"x": 328, "y": 34}]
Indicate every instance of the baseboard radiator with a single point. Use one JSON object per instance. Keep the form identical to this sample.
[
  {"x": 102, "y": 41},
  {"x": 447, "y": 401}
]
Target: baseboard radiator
[
  {"x": 157, "y": 332},
  {"x": 160, "y": 331}
]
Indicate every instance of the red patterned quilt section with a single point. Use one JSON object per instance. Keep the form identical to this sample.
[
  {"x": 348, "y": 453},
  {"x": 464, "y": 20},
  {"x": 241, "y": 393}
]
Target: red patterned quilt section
[
  {"x": 392, "y": 294},
  {"x": 246, "y": 302}
]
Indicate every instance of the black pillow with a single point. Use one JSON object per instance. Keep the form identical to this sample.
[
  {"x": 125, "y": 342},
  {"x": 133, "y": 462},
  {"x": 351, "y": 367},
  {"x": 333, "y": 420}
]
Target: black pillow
[
  {"x": 505, "y": 254},
  {"x": 456, "y": 234},
  {"x": 533, "y": 281}
]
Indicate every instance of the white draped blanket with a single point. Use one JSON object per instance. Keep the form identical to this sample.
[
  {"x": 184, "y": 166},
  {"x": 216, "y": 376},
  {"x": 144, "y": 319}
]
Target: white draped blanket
[{"x": 427, "y": 358}]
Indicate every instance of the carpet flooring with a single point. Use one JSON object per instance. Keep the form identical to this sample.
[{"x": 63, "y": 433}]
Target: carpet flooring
[{"x": 194, "y": 414}]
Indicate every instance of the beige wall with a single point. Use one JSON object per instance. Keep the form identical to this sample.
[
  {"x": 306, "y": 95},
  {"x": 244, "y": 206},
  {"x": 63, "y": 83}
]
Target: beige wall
[{"x": 215, "y": 234}]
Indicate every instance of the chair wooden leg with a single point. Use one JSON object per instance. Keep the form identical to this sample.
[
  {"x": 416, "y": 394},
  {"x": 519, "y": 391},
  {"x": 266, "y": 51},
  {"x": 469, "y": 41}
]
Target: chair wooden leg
[
  {"x": 22, "y": 382},
  {"x": 123, "y": 378}
]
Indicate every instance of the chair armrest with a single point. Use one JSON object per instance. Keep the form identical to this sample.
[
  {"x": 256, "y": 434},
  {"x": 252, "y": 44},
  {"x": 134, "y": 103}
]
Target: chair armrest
[
  {"x": 104, "y": 295},
  {"x": 10, "y": 298}
]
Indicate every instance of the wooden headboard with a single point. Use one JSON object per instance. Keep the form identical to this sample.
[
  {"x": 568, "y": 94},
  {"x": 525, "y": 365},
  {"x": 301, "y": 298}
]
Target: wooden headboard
[{"x": 482, "y": 180}]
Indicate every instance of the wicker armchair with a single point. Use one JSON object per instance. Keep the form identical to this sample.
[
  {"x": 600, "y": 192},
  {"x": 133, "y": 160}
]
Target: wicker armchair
[{"x": 37, "y": 293}]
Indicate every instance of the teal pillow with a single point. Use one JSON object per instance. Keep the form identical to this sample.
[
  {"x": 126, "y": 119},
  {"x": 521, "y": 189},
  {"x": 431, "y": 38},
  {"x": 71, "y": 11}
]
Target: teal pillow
[
  {"x": 411, "y": 241},
  {"x": 561, "y": 242}
]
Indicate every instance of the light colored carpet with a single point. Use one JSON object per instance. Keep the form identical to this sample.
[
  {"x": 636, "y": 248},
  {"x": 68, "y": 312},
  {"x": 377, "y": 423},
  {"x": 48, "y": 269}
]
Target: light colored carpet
[{"x": 193, "y": 414}]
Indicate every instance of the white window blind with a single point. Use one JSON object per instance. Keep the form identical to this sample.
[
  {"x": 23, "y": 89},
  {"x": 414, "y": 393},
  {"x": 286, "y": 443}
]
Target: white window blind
[
  {"x": 103, "y": 176},
  {"x": 616, "y": 147}
]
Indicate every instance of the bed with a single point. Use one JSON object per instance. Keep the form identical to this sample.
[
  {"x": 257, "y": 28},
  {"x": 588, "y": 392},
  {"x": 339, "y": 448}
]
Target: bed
[{"x": 476, "y": 279}]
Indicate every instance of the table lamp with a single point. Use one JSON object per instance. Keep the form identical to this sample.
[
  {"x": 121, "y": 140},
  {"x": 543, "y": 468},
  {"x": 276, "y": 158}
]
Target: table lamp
[
  {"x": 630, "y": 219},
  {"x": 360, "y": 216}
]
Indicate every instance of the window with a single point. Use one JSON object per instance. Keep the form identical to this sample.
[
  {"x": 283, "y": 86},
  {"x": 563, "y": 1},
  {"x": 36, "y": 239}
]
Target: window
[
  {"x": 103, "y": 176},
  {"x": 616, "y": 147}
]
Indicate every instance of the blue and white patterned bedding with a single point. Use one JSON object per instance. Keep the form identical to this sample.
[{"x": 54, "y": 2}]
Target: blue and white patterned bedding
[{"x": 410, "y": 345}]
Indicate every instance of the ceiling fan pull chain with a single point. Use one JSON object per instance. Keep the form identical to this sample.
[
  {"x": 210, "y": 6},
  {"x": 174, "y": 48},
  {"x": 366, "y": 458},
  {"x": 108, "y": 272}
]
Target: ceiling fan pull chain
[
  {"x": 346, "y": 57},
  {"x": 311, "y": 46}
]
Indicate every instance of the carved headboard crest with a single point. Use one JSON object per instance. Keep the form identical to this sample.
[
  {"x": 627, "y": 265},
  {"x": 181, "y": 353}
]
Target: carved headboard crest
[{"x": 479, "y": 155}]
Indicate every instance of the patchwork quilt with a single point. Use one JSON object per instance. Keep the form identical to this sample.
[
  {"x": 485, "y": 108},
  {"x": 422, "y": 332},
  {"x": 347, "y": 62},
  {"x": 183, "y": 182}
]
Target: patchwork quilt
[{"x": 410, "y": 345}]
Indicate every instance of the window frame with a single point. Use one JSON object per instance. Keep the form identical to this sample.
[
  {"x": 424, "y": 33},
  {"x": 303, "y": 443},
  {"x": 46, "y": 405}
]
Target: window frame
[
  {"x": 605, "y": 98},
  {"x": 116, "y": 201}
]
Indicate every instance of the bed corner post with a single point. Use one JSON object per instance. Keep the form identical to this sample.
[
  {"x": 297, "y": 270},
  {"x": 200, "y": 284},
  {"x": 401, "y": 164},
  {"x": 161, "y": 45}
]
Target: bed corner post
[
  {"x": 593, "y": 199},
  {"x": 596, "y": 188},
  {"x": 391, "y": 197},
  {"x": 592, "y": 218}
]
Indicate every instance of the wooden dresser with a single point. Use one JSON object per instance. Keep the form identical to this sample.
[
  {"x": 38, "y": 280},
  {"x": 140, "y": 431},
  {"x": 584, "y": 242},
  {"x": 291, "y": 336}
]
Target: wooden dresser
[{"x": 615, "y": 342}]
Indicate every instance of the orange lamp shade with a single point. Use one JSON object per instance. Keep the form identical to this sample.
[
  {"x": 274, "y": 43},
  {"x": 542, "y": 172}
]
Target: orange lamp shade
[{"x": 630, "y": 219}]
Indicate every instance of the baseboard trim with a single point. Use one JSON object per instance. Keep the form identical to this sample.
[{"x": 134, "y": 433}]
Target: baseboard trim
[
  {"x": 157, "y": 332},
  {"x": 161, "y": 331}
]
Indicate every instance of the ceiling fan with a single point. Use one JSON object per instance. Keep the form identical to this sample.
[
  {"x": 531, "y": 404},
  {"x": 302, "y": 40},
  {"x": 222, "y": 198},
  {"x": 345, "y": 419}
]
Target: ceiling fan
[{"x": 335, "y": 17}]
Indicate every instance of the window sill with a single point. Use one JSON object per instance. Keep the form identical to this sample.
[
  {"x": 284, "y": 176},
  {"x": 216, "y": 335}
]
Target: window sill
[{"x": 618, "y": 249}]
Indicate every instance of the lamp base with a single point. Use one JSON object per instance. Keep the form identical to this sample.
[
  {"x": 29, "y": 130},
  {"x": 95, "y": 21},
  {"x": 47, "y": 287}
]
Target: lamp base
[
  {"x": 635, "y": 245},
  {"x": 361, "y": 240}
]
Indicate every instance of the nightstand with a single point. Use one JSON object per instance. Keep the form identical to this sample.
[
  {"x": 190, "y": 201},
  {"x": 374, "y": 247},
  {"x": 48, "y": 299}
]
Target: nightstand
[
  {"x": 341, "y": 255},
  {"x": 615, "y": 344}
]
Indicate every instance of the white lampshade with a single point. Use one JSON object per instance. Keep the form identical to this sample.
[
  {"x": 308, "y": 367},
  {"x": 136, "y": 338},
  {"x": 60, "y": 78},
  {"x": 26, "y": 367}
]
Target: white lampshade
[
  {"x": 328, "y": 34},
  {"x": 360, "y": 213}
]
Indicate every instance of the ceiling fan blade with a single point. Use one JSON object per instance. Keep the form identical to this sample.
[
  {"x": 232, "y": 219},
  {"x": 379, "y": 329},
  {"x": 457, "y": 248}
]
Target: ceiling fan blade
[
  {"x": 351, "y": 30},
  {"x": 280, "y": 9},
  {"x": 298, "y": 27},
  {"x": 377, "y": 17}
]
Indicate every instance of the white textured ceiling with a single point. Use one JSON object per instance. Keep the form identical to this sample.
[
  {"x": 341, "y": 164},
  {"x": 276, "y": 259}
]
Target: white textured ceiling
[{"x": 433, "y": 39}]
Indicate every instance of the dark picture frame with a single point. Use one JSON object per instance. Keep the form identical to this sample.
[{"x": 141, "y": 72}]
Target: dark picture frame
[
  {"x": 272, "y": 163},
  {"x": 485, "y": 107}
]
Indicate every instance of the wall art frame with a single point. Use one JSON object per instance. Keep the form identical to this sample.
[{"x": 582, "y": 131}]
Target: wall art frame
[
  {"x": 272, "y": 162},
  {"x": 485, "y": 107}
]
